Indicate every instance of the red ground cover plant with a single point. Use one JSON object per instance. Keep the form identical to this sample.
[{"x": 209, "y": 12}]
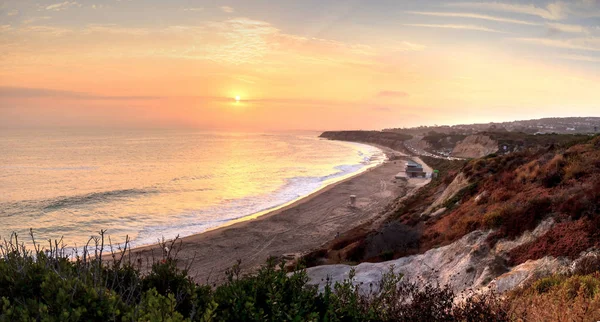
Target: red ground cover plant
[
  {"x": 514, "y": 192},
  {"x": 564, "y": 239}
]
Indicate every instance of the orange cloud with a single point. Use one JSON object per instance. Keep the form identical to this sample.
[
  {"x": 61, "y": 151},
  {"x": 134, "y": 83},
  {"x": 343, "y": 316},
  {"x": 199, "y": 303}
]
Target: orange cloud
[
  {"x": 392, "y": 94},
  {"x": 187, "y": 75}
]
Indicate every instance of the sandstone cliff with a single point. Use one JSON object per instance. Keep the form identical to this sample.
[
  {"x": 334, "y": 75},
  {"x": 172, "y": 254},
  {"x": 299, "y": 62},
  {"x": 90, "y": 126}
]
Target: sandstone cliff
[
  {"x": 459, "y": 183},
  {"x": 468, "y": 263},
  {"x": 475, "y": 146}
]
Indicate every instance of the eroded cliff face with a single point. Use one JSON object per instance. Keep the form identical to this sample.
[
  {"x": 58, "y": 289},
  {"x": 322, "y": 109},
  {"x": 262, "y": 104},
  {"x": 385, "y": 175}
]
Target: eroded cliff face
[
  {"x": 422, "y": 145},
  {"x": 391, "y": 140},
  {"x": 468, "y": 263},
  {"x": 459, "y": 183},
  {"x": 475, "y": 146}
]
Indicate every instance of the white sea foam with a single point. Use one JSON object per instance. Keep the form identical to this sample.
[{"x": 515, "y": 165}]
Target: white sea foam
[{"x": 191, "y": 223}]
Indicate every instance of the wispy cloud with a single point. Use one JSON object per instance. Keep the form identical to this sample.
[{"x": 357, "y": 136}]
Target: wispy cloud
[
  {"x": 114, "y": 29},
  {"x": 227, "y": 9},
  {"x": 5, "y": 28},
  {"x": 194, "y": 9},
  {"x": 413, "y": 46},
  {"x": 584, "y": 8},
  {"x": 246, "y": 79},
  {"x": 35, "y": 19},
  {"x": 552, "y": 11},
  {"x": 582, "y": 58},
  {"x": 13, "y": 12},
  {"x": 46, "y": 30},
  {"x": 27, "y": 92},
  {"x": 472, "y": 16},
  {"x": 561, "y": 27},
  {"x": 380, "y": 109},
  {"x": 248, "y": 41},
  {"x": 588, "y": 44},
  {"x": 451, "y": 26},
  {"x": 63, "y": 5},
  {"x": 396, "y": 94}
]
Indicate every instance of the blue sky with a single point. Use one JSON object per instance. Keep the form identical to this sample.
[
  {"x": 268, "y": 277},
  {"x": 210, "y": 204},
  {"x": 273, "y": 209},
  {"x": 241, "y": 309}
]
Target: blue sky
[{"x": 558, "y": 21}]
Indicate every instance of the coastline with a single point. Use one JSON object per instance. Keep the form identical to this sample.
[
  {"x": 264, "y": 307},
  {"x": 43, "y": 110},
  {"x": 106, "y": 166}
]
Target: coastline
[
  {"x": 290, "y": 229},
  {"x": 327, "y": 184}
]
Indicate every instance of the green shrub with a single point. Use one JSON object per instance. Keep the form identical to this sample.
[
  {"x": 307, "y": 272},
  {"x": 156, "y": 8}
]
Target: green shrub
[
  {"x": 168, "y": 280},
  {"x": 387, "y": 255},
  {"x": 48, "y": 286},
  {"x": 156, "y": 307},
  {"x": 557, "y": 298},
  {"x": 494, "y": 218},
  {"x": 588, "y": 286},
  {"x": 545, "y": 284}
]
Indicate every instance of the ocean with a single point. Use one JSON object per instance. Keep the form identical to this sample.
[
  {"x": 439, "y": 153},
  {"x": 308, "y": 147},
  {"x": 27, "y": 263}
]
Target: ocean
[{"x": 153, "y": 184}]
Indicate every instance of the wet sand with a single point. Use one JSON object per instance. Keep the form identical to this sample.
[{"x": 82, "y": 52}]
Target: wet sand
[{"x": 295, "y": 229}]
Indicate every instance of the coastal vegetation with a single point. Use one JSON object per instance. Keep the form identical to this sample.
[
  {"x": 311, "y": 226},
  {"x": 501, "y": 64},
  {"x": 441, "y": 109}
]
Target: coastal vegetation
[
  {"x": 506, "y": 195},
  {"x": 537, "y": 205},
  {"x": 558, "y": 298},
  {"x": 509, "y": 194},
  {"x": 47, "y": 285},
  {"x": 559, "y": 125},
  {"x": 512, "y": 193},
  {"x": 497, "y": 140}
]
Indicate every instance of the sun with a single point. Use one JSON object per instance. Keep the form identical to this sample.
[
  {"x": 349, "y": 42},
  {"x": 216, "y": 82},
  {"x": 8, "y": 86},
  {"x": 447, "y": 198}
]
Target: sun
[{"x": 237, "y": 98}]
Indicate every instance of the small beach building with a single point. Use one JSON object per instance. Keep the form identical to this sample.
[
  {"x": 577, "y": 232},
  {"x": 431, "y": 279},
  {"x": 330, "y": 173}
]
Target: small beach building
[{"x": 414, "y": 170}]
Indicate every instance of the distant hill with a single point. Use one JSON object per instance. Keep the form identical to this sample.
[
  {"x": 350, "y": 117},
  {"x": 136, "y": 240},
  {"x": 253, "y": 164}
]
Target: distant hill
[
  {"x": 476, "y": 140},
  {"x": 564, "y": 125},
  {"x": 389, "y": 139},
  {"x": 487, "y": 142}
]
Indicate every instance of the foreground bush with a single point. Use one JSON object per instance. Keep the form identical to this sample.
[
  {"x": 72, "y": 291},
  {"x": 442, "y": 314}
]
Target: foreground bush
[
  {"x": 48, "y": 286},
  {"x": 559, "y": 298}
]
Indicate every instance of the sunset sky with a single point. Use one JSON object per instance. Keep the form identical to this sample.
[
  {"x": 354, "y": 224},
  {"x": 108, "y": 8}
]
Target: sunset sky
[{"x": 310, "y": 64}]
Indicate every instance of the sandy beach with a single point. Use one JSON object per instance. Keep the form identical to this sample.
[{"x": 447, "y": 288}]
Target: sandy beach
[{"x": 291, "y": 230}]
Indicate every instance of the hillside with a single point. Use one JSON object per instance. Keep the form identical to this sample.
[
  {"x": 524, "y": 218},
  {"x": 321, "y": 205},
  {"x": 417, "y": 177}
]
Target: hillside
[
  {"x": 472, "y": 145},
  {"x": 488, "y": 142},
  {"x": 513, "y": 193},
  {"x": 557, "y": 125},
  {"x": 475, "y": 146},
  {"x": 508, "y": 218}
]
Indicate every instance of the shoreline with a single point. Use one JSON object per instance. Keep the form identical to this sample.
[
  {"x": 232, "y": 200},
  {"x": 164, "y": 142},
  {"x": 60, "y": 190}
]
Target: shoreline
[
  {"x": 327, "y": 184},
  {"x": 297, "y": 226}
]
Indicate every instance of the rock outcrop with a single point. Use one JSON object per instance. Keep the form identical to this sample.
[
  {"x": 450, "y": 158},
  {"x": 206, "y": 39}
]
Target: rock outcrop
[
  {"x": 468, "y": 263},
  {"x": 475, "y": 146},
  {"x": 529, "y": 271},
  {"x": 460, "y": 182},
  {"x": 422, "y": 144}
]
